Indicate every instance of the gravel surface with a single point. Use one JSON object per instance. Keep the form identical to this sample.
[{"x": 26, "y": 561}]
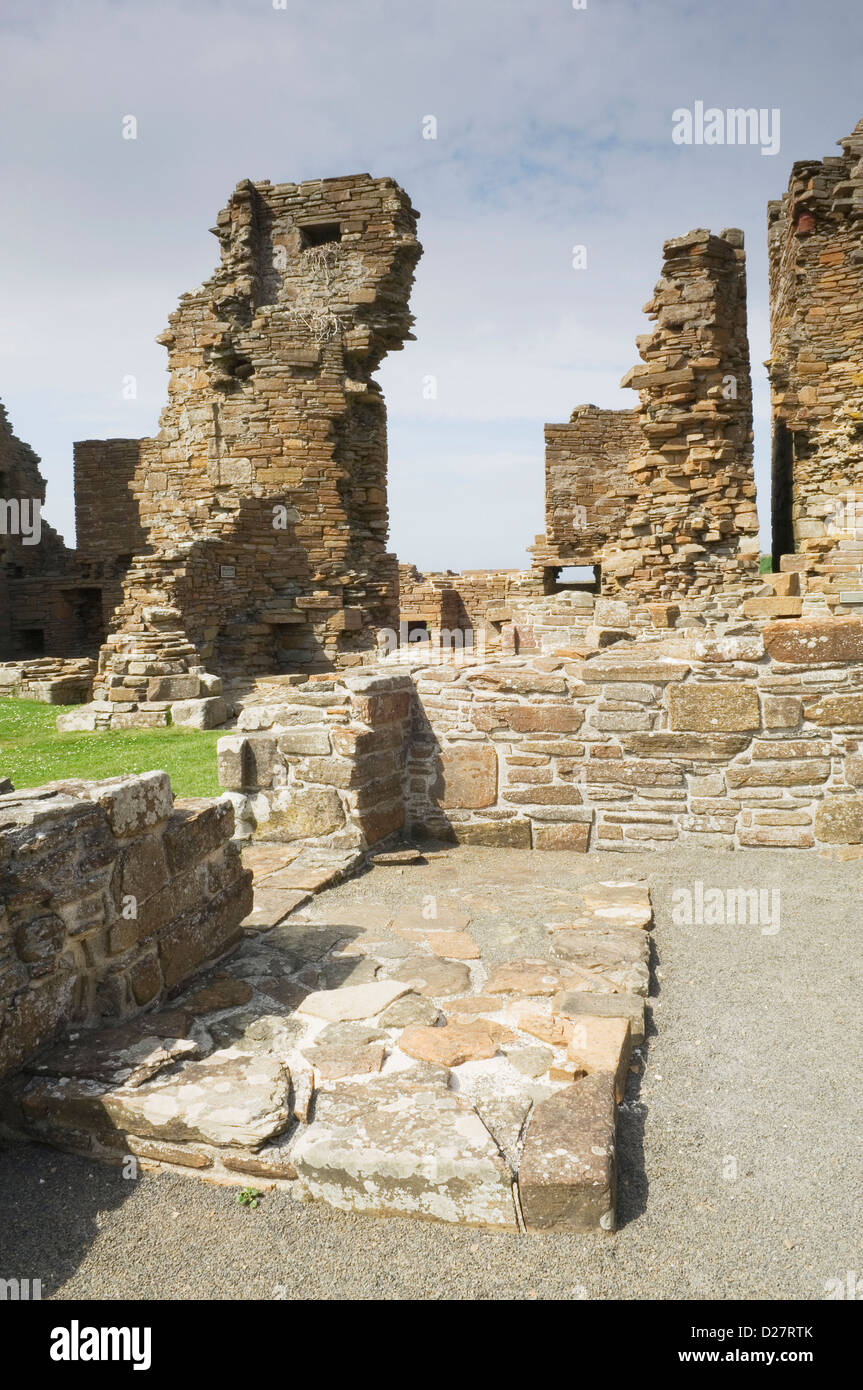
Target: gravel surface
[{"x": 751, "y": 1068}]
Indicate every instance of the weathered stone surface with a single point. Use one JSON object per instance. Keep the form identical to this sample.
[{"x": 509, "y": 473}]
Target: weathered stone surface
[
  {"x": 618, "y": 903},
  {"x": 334, "y": 1060},
  {"x": 397, "y": 1147},
  {"x": 445, "y": 918},
  {"x": 455, "y": 1043},
  {"x": 597, "y": 948},
  {"x": 538, "y": 977},
  {"x": 775, "y": 606},
  {"x": 567, "y": 1178},
  {"x": 411, "y": 1008},
  {"x": 783, "y": 773},
  {"x": 131, "y": 1052},
  {"x": 602, "y": 1045},
  {"x": 705, "y": 707},
  {"x": 840, "y": 821},
  {"x": 450, "y": 945},
  {"x": 667, "y": 743},
  {"x": 208, "y": 713},
  {"x": 134, "y": 804},
  {"x": 301, "y": 813},
  {"x": 839, "y": 709},
  {"x": 431, "y": 976},
  {"x": 814, "y": 640},
  {"x": 569, "y": 1004},
  {"x": 221, "y": 991},
  {"x": 353, "y": 1001},
  {"x": 502, "y": 834},
  {"x": 467, "y": 777},
  {"x": 574, "y": 837}
]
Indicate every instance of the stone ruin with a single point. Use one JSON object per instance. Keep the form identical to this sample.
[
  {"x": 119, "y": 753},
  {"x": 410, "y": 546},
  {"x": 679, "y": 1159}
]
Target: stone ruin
[
  {"x": 378, "y": 1061},
  {"x": 816, "y": 373},
  {"x": 263, "y": 497},
  {"x": 662, "y": 500}
]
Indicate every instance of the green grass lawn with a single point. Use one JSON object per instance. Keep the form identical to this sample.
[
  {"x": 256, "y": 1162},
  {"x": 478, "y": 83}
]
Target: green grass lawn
[{"x": 32, "y": 751}]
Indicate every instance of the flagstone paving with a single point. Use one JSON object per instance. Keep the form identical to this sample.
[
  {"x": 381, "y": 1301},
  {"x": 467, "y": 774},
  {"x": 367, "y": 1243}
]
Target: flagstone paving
[{"x": 422, "y": 1052}]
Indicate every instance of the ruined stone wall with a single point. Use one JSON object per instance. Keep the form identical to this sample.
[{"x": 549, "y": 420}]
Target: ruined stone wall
[
  {"x": 51, "y": 680},
  {"x": 816, "y": 367},
  {"x": 588, "y": 491},
  {"x": 107, "y": 521},
  {"x": 34, "y": 614},
  {"x": 264, "y": 495},
  {"x": 742, "y": 735},
  {"x": 325, "y": 765},
  {"x": 736, "y": 741},
  {"x": 472, "y": 601},
  {"x": 110, "y": 895},
  {"x": 692, "y": 527}
]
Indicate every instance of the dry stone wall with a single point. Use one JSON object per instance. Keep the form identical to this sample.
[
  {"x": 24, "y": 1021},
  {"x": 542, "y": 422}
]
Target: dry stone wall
[
  {"x": 110, "y": 895},
  {"x": 588, "y": 489},
  {"x": 693, "y": 528},
  {"x": 744, "y": 734},
  {"x": 264, "y": 497},
  {"x": 816, "y": 368}
]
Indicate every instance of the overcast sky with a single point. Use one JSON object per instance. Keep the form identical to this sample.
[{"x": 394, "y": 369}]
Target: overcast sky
[{"x": 554, "y": 130}]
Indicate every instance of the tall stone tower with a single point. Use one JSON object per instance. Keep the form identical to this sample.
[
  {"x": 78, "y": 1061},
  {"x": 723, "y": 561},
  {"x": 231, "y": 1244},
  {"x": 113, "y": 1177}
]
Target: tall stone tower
[
  {"x": 263, "y": 497},
  {"x": 692, "y": 529},
  {"x": 816, "y": 368}
]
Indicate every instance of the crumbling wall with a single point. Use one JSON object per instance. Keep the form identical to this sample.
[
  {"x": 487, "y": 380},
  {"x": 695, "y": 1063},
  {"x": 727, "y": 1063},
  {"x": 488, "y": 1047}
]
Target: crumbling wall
[
  {"x": 107, "y": 519},
  {"x": 692, "y": 527},
  {"x": 264, "y": 495},
  {"x": 588, "y": 490},
  {"x": 477, "y": 603},
  {"x": 816, "y": 368},
  {"x": 325, "y": 765},
  {"x": 110, "y": 895},
  {"x": 734, "y": 736},
  {"x": 36, "y": 579}
]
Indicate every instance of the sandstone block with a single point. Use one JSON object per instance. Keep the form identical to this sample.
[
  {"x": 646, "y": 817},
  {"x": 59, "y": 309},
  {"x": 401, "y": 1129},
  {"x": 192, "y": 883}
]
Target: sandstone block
[
  {"x": 207, "y": 713},
  {"x": 813, "y": 640},
  {"x": 708, "y": 707},
  {"x": 567, "y": 1177},
  {"x": 467, "y": 777},
  {"x": 602, "y": 1045},
  {"x": 839, "y": 821}
]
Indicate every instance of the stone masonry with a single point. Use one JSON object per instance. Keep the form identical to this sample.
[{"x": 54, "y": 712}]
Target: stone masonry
[
  {"x": 693, "y": 528},
  {"x": 110, "y": 895},
  {"x": 588, "y": 489},
  {"x": 263, "y": 497},
  {"x": 816, "y": 370}
]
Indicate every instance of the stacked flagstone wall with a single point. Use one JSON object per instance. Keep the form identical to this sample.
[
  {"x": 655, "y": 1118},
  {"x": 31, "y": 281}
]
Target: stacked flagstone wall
[
  {"x": 263, "y": 498},
  {"x": 588, "y": 489},
  {"x": 110, "y": 895},
  {"x": 52, "y": 680},
  {"x": 741, "y": 735},
  {"x": 325, "y": 765},
  {"x": 693, "y": 528},
  {"x": 816, "y": 367}
]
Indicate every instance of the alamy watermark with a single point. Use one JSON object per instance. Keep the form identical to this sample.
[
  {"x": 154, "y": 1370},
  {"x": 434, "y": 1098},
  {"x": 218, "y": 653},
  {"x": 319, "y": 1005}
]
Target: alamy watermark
[
  {"x": 719, "y": 907},
  {"x": 736, "y": 125},
  {"x": 21, "y": 516},
  {"x": 433, "y": 645}
]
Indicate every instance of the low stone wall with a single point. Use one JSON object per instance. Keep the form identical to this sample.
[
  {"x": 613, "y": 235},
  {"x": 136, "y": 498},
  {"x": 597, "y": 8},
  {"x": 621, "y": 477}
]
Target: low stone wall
[
  {"x": 110, "y": 895},
  {"x": 729, "y": 737},
  {"x": 325, "y": 764},
  {"x": 727, "y": 741},
  {"x": 53, "y": 680}
]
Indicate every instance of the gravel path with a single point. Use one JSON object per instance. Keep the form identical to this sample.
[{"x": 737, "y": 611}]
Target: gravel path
[{"x": 752, "y": 1068}]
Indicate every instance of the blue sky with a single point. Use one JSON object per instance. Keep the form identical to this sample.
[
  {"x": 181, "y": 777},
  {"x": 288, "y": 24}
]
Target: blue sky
[{"x": 554, "y": 129}]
